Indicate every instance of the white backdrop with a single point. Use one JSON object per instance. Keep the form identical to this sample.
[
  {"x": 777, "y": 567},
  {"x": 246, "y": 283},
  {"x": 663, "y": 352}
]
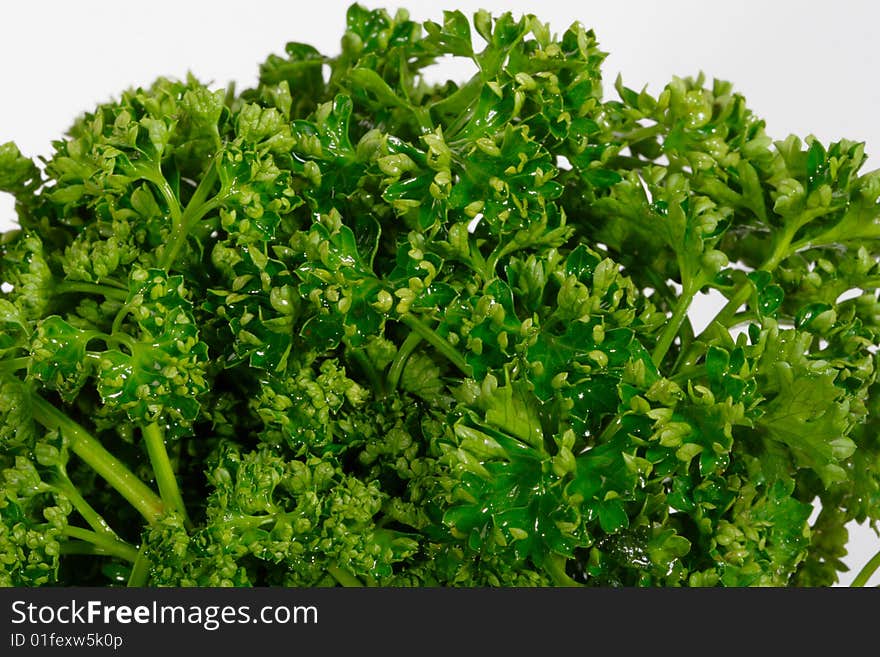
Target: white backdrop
[{"x": 806, "y": 67}]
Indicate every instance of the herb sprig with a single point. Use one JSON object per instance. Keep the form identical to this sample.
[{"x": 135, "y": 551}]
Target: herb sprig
[{"x": 361, "y": 329}]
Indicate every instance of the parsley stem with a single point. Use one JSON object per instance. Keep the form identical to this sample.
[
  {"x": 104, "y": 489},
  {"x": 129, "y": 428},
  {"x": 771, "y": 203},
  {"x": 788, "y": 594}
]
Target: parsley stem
[
  {"x": 678, "y": 315},
  {"x": 412, "y": 341},
  {"x": 643, "y": 133},
  {"x": 555, "y": 567},
  {"x": 88, "y": 513},
  {"x": 169, "y": 197},
  {"x": 724, "y": 317},
  {"x": 111, "y": 469},
  {"x": 14, "y": 364},
  {"x": 781, "y": 251},
  {"x": 166, "y": 479},
  {"x": 103, "y": 544},
  {"x": 730, "y": 309},
  {"x": 140, "y": 570},
  {"x": 456, "y": 104},
  {"x": 439, "y": 343},
  {"x": 690, "y": 372},
  {"x": 865, "y": 573},
  {"x": 369, "y": 370},
  {"x": 195, "y": 209},
  {"x": 115, "y": 293},
  {"x": 116, "y": 327},
  {"x": 343, "y": 577},
  {"x": 628, "y": 162},
  {"x": 610, "y": 430}
]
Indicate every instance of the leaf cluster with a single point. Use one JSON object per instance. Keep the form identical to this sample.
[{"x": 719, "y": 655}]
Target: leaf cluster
[{"x": 353, "y": 327}]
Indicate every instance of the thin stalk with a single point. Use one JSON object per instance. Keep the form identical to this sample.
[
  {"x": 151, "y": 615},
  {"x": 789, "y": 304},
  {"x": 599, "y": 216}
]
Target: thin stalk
[
  {"x": 179, "y": 235},
  {"x": 643, "y": 133},
  {"x": 344, "y": 577},
  {"x": 195, "y": 210},
  {"x": 168, "y": 196},
  {"x": 439, "y": 343},
  {"x": 121, "y": 338},
  {"x": 865, "y": 573},
  {"x": 111, "y": 469},
  {"x": 628, "y": 162},
  {"x": 610, "y": 430},
  {"x": 687, "y": 341},
  {"x": 412, "y": 341},
  {"x": 674, "y": 324},
  {"x": 244, "y": 522},
  {"x": 71, "y": 546},
  {"x": 725, "y": 316},
  {"x": 730, "y": 309},
  {"x": 477, "y": 262},
  {"x": 830, "y": 236},
  {"x": 555, "y": 567},
  {"x": 114, "y": 293},
  {"x": 166, "y": 478},
  {"x": 120, "y": 317},
  {"x": 107, "y": 545},
  {"x": 14, "y": 365},
  {"x": 363, "y": 361},
  {"x": 688, "y": 373},
  {"x": 458, "y": 103},
  {"x": 88, "y": 513},
  {"x": 423, "y": 118},
  {"x": 140, "y": 571}
]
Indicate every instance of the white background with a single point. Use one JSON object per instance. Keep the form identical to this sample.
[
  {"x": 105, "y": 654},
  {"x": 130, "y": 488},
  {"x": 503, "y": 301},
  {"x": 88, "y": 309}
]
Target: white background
[{"x": 805, "y": 67}]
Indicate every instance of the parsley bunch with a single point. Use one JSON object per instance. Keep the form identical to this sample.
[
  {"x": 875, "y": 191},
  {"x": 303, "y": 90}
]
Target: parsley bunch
[{"x": 349, "y": 327}]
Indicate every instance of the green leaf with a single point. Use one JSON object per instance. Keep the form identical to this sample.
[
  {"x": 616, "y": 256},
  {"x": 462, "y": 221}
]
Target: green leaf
[
  {"x": 18, "y": 174},
  {"x": 809, "y": 412},
  {"x": 58, "y": 356},
  {"x": 161, "y": 376},
  {"x": 257, "y": 306}
]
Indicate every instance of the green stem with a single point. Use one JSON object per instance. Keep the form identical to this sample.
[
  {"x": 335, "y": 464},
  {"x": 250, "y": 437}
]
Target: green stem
[
  {"x": 344, "y": 577},
  {"x": 687, "y": 333},
  {"x": 829, "y": 237},
  {"x": 730, "y": 309},
  {"x": 109, "y": 546},
  {"x": 628, "y": 162},
  {"x": 668, "y": 336},
  {"x": 115, "y": 293},
  {"x": 243, "y": 522},
  {"x": 610, "y": 430},
  {"x": 412, "y": 341},
  {"x": 111, "y": 469},
  {"x": 14, "y": 364},
  {"x": 725, "y": 316},
  {"x": 643, "y": 133},
  {"x": 690, "y": 372},
  {"x": 166, "y": 479},
  {"x": 140, "y": 571},
  {"x": 195, "y": 210},
  {"x": 88, "y": 513},
  {"x": 865, "y": 573},
  {"x": 121, "y": 338},
  {"x": 367, "y": 367},
  {"x": 555, "y": 567},
  {"x": 477, "y": 263},
  {"x": 168, "y": 195},
  {"x": 116, "y": 327},
  {"x": 423, "y": 118},
  {"x": 439, "y": 343},
  {"x": 456, "y": 104}
]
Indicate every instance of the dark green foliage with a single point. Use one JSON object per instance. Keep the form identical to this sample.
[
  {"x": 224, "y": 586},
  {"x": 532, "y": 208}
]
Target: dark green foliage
[{"x": 367, "y": 330}]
